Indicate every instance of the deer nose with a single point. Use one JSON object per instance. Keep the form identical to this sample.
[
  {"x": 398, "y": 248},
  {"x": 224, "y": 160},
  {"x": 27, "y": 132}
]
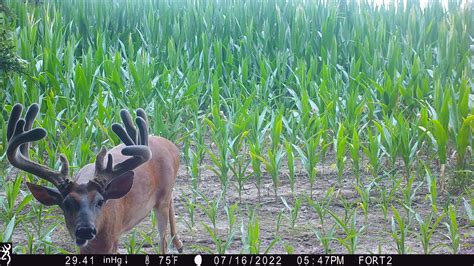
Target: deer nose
[{"x": 85, "y": 232}]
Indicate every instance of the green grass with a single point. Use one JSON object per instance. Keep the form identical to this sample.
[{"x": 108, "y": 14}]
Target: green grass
[{"x": 248, "y": 89}]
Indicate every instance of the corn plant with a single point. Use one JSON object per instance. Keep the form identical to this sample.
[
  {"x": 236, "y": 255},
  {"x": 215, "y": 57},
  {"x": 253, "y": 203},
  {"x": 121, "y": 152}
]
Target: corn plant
[
  {"x": 364, "y": 194},
  {"x": 309, "y": 156},
  {"x": 427, "y": 229},
  {"x": 293, "y": 210},
  {"x": 231, "y": 217},
  {"x": 462, "y": 178},
  {"x": 389, "y": 133},
  {"x": 289, "y": 249},
  {"x": 453, "y": 230},
  {"x": 348, "y": 208},
  {"x": 386, "y": 197},
  {"x": 408, "y": 143},
  {"x": 469, "y": 210},
  {"x": 349, "y": 227},
  {"x": 256, "y": 162},
  {"x": 272, "y": 165},
  {"x": 251, "y": 240},
  {"x": 440, "y": 136},
  {"x": 325, "y": 238},
  {"x": 278, "y": 220},
  {"x": 211, "y": 208},
  {"x": 354, "y": 151},
  {"x": 8, "y": 204},
  {"x": 321, "y": 207},
  {"x": 291, "y": 166},
  {"x": 340, "y": 143},
  {"x": 409, "y": 193},
  {"x": 220, "y": 159},
  {"x": 39, "y": 218},
  {"x": 399, "y": 231},
  {"x": 7, "y": 234},
  {"x": 432, "y": 189},
  {"x": 134, "y": 245},
  {"x": 193, "y": 160},
  {"x": 373, "y": 151},
  {"x": 256, "y": 138},
  {"x": 221, "y": 246},
  {"x": 190, "y": 207},
  {"x": 462, "y": 141},
  {"x": 275, "y": 154},
  {"x": 238, "y": 162},
  {"x": 148, "y": 240},
  {"x": 31, "y": 247},
  {"x": 40, "y": 238}
]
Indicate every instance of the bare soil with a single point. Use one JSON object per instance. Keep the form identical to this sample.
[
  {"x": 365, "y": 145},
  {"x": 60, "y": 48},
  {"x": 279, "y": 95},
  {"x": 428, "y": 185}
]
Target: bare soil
[{"x": 374, "y": 238}]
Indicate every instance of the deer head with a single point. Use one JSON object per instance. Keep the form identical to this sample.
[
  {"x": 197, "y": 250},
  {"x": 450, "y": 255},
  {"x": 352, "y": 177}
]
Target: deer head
[{"x": 82, "y": 204}]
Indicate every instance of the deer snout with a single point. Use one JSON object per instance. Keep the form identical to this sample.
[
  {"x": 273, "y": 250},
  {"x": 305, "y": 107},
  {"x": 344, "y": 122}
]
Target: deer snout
[{"x": 86, "y": 232}]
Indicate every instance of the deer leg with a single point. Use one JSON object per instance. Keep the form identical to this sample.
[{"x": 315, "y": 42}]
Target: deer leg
[
  {"x": 115, "y": 248},
  {"x": 162, "y": 217},
  {"x": 176, "y": 242}
]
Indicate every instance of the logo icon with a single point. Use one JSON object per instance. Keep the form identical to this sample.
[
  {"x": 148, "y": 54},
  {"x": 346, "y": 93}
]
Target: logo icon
[{"x": 5, "y": 250}]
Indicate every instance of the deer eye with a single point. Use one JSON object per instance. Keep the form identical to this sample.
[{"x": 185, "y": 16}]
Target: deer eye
[{"x": 100, "y": 203}]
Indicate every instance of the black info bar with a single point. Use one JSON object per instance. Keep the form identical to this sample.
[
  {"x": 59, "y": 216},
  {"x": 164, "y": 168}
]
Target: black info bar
[{"x": 241, "y": 260}]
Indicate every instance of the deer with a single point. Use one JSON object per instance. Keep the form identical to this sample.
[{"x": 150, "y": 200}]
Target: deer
[{"x": 107, "y": 198}]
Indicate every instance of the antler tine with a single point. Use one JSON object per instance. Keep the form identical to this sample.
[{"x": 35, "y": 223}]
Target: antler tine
[
  {"x": 141, "y": 113},
  {"x": 136, "y": 148},
  {"x": 122, "y": 134},
  {"x": 99, "y": 160},
  {"x": 31, "y": 115},
  {"x": 127, "y": 122},
  {"x": 140, "y": 154},
  {"x": 20, "y": 134},
  {"x": 104, "y": 174},
  {"x": 29, "y": 119},
  {"x": 128, "y": 135},
  {"x": 143, "y": 130},
  {"x": 142, "y": 127},
  {"x": 14, "y": 116}
]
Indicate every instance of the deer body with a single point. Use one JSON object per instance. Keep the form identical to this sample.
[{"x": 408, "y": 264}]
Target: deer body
[
  {"x": 152, "y": 186},
  {"x": 111, "y": 196}
]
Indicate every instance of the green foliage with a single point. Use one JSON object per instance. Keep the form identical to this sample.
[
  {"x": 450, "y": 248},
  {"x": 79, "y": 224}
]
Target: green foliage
[
  {"x": 251, "y": 241},
  {"x": 321, "y": 207},
  {"x": 325, "y": 238},
  {"x": 453, "y": 230},
  {"x": 350, "y": 230},
  {"x": 293, "y": 210},
  {"x": 427, "y": 229},
  {"x": 246, "y": 88},
  {"x": 468, "y": 206},
  {"x": 399, "y": 231},
  {"x": 9, "y": 60}
]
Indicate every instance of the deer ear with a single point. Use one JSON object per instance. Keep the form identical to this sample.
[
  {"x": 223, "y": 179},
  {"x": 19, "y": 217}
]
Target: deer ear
[
  {"x": 119, "y": 186},
  {"x": 45, "y": 195}
]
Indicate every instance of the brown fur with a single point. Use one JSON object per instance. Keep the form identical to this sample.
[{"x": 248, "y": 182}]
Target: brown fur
[{"x": 152, "y": 189}]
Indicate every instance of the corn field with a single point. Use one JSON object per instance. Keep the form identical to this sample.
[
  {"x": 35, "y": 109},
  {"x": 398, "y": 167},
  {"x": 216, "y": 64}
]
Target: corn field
[{"x": 304, "y": 126}]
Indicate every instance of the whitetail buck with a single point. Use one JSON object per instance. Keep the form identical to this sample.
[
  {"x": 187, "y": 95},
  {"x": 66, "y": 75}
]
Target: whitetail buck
[{"x": 105, "y": 199}]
